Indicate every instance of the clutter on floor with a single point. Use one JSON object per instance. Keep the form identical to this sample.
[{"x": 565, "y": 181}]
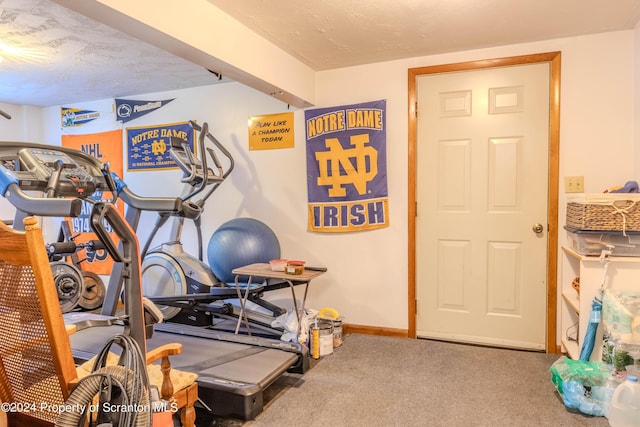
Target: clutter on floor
[{"x": 603, "y": 235}]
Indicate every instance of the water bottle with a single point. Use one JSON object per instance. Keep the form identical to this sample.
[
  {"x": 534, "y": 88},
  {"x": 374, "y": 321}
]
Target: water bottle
[{"x": 624, "y": 410}]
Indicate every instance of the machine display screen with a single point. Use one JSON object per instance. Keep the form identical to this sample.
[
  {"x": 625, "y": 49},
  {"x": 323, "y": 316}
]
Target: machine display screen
[{"x": 48, "y": 157}]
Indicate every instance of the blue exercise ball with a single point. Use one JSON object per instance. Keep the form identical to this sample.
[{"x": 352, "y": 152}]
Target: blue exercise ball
[{"x": 240, "y": 242}]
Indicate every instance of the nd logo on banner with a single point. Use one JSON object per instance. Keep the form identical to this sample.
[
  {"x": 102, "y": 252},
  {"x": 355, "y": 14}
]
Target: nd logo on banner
[
  {"x": 359, "y": 173},
  {"x": 346, "y": 168}
]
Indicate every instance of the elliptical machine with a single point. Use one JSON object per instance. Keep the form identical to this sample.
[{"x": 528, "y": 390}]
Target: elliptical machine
[
  {"x": 186, "y": 289},
  {"x": 167, "y": 270}
]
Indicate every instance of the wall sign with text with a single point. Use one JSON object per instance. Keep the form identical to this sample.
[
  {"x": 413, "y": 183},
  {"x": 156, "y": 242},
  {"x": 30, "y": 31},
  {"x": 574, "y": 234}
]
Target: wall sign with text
[{"x": 347, "y": 168}]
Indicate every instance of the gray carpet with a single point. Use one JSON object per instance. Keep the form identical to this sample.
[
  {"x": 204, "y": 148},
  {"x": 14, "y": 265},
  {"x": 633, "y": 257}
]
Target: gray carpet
[{"x": 383, "y": 381}]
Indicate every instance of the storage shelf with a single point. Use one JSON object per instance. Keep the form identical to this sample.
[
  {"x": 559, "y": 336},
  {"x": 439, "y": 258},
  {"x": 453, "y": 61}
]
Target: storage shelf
[
  {"x": 571, "y": 253},
  {"x": 572, "y": 299},
  {"x": 622, "y": 272},
  {"x": 572, "y": 349}
]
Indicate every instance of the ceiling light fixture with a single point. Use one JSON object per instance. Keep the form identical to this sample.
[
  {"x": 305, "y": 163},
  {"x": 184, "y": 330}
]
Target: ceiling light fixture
[{"x": 20, "y": 54}]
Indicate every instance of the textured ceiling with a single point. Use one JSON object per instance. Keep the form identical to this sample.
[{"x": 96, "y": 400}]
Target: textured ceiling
[
  {"x": 55, "y": 56},
  {"x": 337, "y": 33},
  {"x": 52, "y": 55}
]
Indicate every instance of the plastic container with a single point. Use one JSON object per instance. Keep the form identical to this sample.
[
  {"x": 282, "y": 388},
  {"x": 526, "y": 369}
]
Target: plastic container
[
  {"x": 325, "y": 337},
  {"x": 337, "y": 332},
  {"x": 333, "y": 316},
  {"x": 278, "y": 264},
  {"x": 592, "y": 243},
  {"x": 294, "y": 267},
  {"x": 624, "y": 410},
  {"x": 633, "y": 370}
]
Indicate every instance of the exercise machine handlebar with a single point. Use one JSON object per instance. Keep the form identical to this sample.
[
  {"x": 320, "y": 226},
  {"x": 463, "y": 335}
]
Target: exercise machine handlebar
[
  {"x": 66, "y": 178},
  {"x": 196, "y": 171},
  {"x": 69, "y": 247},
  {"x": 217, "y": 143},
  {"x": 129, "y": 257},
  {"x": 171, "y": 205},
  {"x": 40, "y": 206}
]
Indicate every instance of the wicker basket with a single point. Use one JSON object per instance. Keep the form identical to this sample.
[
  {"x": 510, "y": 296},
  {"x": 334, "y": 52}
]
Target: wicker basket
[{"x": 604, "y": 212}]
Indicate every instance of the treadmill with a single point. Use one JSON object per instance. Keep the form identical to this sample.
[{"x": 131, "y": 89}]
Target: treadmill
[{"x": 233, "y": 370}]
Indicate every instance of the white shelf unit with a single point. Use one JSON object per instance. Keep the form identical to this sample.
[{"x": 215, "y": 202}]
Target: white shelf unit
[{"x": 621, "y": 273}]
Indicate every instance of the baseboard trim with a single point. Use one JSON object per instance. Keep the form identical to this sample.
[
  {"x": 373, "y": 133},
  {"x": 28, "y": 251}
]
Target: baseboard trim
[{"x": 374, "y": 330}]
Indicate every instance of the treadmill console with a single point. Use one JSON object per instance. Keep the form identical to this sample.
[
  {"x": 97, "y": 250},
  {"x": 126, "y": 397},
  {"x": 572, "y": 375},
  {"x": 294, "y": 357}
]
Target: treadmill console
[{"x": 37, "y": 166}]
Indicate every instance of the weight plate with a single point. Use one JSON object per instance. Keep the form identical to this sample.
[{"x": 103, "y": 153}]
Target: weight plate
[
  {"x": 68, "y": 282},
  {"x": 94, "y": 291}
]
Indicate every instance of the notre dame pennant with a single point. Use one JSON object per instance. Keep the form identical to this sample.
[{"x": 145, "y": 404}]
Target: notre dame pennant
[{"x": 346, "y": 168}]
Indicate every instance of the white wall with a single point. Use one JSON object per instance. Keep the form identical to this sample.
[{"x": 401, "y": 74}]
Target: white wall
[
  {"x": 25, "y": 125},
  {"x": 636, "y": 93},
  {"x": 367, "y": 278},
  {"x": 596, "y": 137}
]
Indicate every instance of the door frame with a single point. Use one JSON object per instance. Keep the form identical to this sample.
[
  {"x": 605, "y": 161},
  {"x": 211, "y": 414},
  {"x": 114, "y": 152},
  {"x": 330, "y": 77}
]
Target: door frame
[{"x": 553, "y": 58}]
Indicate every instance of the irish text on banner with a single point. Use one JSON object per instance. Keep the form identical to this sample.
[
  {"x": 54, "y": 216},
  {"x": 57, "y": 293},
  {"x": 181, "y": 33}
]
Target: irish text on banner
[
  {"x": 148, "y": 147},
  {"x": 106, "y": 147},
  {"x": 347, "y": 168}
]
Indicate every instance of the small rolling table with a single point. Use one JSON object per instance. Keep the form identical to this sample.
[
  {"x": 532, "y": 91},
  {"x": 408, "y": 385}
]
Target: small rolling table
[{"x": 263, "y": 270}]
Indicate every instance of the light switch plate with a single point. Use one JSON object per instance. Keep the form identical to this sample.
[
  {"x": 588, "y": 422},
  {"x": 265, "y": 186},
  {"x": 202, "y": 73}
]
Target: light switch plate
[{"x": 574, "y": 184}]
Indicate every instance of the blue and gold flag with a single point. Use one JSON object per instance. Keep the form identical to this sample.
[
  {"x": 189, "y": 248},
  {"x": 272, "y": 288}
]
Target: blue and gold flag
[
  {"x": 346, "y": 168},
  {"x": 148, "y": 146},
  {"x": 73, "y": 117}
]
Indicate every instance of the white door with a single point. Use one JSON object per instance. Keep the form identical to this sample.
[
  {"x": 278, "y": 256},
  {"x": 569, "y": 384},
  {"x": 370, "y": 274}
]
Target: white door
[{"x": 482, "y": 173}]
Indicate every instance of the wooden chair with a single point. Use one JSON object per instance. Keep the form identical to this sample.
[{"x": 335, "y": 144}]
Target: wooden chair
[{"x": 37, "y": 370}]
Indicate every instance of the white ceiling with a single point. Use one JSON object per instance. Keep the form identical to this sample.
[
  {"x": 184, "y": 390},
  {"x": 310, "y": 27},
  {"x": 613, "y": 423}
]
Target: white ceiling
[
  {"x": 66, "y": 57},
  {"x": 337, "y": 33}
]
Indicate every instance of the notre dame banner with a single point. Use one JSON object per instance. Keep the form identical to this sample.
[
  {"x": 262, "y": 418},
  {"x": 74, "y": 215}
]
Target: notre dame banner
[{"x": 346, "y": 168}]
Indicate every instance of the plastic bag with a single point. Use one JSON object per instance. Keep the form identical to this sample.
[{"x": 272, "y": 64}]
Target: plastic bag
[
  {"x": 588, "y": 400},
  {"x": 586, "y": 386},
  {"x": 289, "y": 322},
  {"x": 587, "y": 373}
]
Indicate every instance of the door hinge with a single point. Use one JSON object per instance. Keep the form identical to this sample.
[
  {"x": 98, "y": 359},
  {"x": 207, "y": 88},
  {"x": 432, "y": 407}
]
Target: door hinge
[
  {"x": 416, "y": 306},
  {"x": 415, "y": 109},
  {"x": 416, "y": 209}
]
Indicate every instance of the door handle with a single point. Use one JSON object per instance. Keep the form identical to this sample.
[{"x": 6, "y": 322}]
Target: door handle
[{"x": 537, "y": 228}]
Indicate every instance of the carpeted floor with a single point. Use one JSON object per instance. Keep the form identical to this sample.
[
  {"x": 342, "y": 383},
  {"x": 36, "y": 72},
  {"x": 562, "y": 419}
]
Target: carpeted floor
[{"x": 382, "y": 381}]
